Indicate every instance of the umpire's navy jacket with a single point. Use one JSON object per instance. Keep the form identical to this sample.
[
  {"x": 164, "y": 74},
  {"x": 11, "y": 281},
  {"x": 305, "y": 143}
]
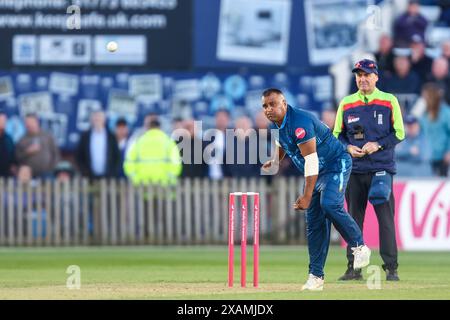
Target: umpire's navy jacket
[{"x": 377, "y": 118}]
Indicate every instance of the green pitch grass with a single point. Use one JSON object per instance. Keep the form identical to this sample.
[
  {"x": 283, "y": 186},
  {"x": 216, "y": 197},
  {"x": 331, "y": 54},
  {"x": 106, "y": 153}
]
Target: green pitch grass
[{"x": 201, "y": 273}]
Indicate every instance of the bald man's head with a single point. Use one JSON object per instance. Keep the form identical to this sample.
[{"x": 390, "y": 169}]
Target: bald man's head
[{"x": 274, "y": 105}]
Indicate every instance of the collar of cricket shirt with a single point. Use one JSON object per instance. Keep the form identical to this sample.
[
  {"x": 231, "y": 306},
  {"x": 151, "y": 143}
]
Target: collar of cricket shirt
[
  {"x": 285, "y": 117},
  {"x": 369, "y": 97}
]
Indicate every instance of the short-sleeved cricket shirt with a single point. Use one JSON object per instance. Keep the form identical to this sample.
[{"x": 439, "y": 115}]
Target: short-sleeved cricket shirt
[{"x": 300, "y": 126}]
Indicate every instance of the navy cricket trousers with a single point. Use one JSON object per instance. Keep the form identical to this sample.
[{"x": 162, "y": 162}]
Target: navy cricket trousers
[{"x": 327, "y": 206}]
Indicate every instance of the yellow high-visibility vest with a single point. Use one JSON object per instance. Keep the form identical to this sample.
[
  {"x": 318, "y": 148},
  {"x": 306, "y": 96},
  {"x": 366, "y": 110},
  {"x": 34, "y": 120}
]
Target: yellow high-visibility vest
[{"x": 154, "y": 158}]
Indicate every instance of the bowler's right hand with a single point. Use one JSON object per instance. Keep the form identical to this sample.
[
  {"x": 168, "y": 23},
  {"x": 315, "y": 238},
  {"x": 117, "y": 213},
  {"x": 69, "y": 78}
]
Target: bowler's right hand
[{"x": 355, "y": 151}]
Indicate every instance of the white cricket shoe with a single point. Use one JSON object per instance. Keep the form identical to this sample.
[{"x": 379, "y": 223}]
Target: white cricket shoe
[
  {"x": 362, "y": 256},
  {"x": 314, "y": 283}
]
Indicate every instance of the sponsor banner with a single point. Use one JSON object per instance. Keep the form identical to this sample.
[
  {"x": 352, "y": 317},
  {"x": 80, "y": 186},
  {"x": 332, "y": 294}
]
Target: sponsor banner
[
  {"x": 146, "y": 87},
  {"x": 73, "y": 33},
  {"x": 61, "y": 50},
  {"x": 24, "y": 49},
  {"x": 121, "y": 105},
  {"x": 255, "y": 31},
  {"x": 332, "y": 28},
  {"x": 6, "y": 88},
  {"x": 422, "y": 216},
  {"x": 39, "y": 103},
  {"x": 64, "y": 83},
  {"x": 132, "y": 95}
]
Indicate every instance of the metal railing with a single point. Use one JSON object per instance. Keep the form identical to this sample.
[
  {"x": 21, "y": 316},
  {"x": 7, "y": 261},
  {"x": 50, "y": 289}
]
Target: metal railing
[{"x": 115, "y": 212}]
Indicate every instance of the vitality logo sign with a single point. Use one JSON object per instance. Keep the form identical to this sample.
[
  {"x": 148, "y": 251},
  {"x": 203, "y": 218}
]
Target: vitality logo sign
[{"x": 424, "y": 216}]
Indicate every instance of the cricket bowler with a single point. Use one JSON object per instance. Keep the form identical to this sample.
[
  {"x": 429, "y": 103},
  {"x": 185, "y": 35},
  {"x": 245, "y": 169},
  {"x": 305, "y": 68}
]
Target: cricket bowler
[{"x": 326, "y": 166}]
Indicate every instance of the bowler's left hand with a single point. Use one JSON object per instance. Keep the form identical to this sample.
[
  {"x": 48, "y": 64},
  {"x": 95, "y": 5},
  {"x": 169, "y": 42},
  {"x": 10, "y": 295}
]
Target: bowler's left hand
[
  {"x": 371, "y": 147},
  {"x": 302, "y": 202}
]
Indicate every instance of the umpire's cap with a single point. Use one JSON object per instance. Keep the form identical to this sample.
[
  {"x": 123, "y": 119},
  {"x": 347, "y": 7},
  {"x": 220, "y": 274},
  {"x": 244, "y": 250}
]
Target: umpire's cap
[{"x": 367, "y": 66}]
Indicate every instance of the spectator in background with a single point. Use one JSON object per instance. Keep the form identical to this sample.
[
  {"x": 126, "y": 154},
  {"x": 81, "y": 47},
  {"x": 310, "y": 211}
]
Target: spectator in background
[
  {"x": 403, "y": 80},
  {"x": 328, "y": 116},
  {"x": 122, "y": 137},
  {"x": 217, "y": 162},
  {"x": 192, "y": 152},
  {"x": 245, "y": 155},
  {"x": 440, "y": 76},
  {"x": 138, "y": 132},
  {"x": 384, "y": 56},
  {"x": 409, "y": 24},
  {"x": 153, "y": 158},
  {"x": 436, "y": 126},
  {"x": 177, "y": 123},
  {"x": 37, "y": 149},
  {"x": 421, "y": 64},
  {"x": 413, "y": 154},
  {"x": 97, "y": 153},
  {"x": 7, "y": 156}
]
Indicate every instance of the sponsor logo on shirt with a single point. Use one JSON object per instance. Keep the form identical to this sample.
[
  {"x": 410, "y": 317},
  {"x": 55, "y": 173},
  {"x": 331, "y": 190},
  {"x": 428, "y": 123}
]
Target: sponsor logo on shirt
[
  {"x": 352, "y": 119},
  {"x": 300, "y": 133}
]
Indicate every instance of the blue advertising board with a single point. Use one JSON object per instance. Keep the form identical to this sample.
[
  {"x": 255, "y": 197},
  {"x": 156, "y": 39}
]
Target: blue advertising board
[{"x": 64, "y": 101}]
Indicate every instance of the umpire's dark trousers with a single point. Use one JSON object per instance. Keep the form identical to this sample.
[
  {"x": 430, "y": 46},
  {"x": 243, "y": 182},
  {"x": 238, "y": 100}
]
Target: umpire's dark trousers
[{"x": 356, "y": 195}]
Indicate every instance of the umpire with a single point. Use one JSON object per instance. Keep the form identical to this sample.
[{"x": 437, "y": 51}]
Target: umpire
[{"x": 369, "y": 123}]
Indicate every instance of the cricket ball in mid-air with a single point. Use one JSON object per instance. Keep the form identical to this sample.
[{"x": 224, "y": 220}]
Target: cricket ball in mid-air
[{"x": 111, "y": 46}]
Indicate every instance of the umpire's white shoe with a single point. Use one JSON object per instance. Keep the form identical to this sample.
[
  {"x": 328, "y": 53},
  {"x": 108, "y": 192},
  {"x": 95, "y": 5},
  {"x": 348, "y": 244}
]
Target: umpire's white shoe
[
  {"x": 362, "y": 257},
  {"x": 314, "y": 283}
]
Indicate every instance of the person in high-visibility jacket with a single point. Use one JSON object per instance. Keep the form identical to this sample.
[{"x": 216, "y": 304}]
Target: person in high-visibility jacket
[{"x": 154, "y": 158}]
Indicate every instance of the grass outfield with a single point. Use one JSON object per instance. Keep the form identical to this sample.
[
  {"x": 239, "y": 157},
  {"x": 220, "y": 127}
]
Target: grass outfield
[{"x": 201, "y": 273}]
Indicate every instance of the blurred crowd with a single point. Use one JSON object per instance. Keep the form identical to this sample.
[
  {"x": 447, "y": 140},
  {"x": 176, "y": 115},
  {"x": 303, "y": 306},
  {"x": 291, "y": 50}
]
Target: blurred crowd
[
  {"x": 419, "y": 76},
  {"x": 146, "y": 155},
  {"x": 150, "y": 155}
]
